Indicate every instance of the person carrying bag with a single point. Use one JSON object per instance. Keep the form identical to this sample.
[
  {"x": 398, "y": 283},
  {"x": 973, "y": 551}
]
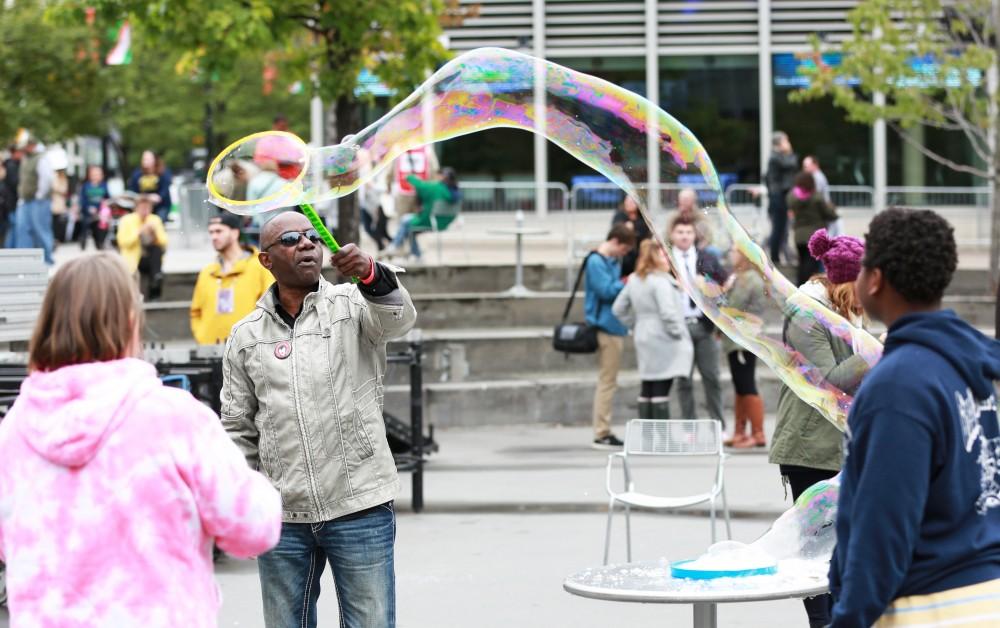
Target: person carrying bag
[{"x": 578, "y": 337}]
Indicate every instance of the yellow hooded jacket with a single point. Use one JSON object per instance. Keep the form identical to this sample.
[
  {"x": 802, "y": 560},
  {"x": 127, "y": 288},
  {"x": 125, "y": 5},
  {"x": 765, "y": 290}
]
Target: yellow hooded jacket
[{"x": 213, "y": 318}]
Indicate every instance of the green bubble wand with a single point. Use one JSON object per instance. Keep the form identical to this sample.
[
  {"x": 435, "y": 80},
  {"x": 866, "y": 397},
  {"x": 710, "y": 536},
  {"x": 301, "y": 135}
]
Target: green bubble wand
[{"x": 321, "y": 229}]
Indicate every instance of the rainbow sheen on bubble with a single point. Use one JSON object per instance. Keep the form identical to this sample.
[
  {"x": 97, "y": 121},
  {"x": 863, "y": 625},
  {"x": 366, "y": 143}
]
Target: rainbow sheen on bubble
[
  {"x": 808, "y": 529},
  {"x": 603, "y": 125}
]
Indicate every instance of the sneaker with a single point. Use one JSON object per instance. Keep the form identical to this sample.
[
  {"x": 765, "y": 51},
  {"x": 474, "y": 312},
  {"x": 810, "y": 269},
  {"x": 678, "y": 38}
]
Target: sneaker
[{"x": 607, "y": 442}]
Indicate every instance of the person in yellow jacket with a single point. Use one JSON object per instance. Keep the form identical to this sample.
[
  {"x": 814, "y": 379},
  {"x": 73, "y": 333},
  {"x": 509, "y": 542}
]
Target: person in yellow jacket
[
  {"x": 228, "y": 289},
  {"x": 142, "y": 241}
]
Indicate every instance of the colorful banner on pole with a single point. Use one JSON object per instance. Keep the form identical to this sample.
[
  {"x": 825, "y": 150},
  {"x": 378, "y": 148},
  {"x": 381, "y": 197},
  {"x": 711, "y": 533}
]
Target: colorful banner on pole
[{"x": 121, "y": 54}]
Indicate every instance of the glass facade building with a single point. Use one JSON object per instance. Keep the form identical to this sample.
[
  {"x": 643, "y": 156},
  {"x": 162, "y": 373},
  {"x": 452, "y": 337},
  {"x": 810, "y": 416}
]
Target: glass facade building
[{"x": 724, "y": 68}]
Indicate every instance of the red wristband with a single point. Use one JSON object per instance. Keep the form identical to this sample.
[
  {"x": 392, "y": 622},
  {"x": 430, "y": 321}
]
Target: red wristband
[{"x": 371, "y": 275}]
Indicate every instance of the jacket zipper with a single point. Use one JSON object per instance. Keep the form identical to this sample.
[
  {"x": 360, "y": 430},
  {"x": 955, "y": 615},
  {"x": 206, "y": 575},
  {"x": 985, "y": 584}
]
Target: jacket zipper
[{"x": 302, "y": 431}]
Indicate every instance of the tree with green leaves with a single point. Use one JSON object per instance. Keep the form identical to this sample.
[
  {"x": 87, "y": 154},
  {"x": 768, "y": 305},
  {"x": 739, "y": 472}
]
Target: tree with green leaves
[
  {"x": 324, "y": 44},
  {"x": 48, "y": 75},
  {"x": 154, "y": 103},
  {"x": 53, "y": 82},
  {"x": 953, "y": 89}
]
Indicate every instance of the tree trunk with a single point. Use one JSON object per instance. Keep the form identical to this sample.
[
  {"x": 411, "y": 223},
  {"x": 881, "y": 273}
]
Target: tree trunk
[
  {"x": 995, "y": 149},
  {"x": 995, "y": 230},
  {"x": 348, "y": 121}
]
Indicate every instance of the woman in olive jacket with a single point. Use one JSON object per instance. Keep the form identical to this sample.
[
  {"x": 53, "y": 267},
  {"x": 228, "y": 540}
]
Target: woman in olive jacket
[{"x": 806, "y": 446}]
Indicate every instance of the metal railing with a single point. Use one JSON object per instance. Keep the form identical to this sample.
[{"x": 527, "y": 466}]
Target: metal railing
[
  {"x": 967, "y": 208},
  {"x": 749, "y": 200},
  {"x": 195, "y": 212},
  {"x": 499, "y": 196},
  {"x": 605, "y": 196},
  {"x": 853, "y": 196}
]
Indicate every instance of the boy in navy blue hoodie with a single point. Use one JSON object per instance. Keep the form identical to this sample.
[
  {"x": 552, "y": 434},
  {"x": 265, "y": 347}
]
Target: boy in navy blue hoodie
[{"x": 918, "y": 524}]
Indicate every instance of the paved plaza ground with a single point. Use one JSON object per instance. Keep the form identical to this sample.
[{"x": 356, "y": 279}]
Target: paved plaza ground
[{"x": 511, "y": 511}]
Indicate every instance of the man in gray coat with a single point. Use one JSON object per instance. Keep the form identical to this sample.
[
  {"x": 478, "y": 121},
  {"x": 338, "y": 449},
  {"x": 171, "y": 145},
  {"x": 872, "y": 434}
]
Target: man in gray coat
[{"x": 302, "y": 397}]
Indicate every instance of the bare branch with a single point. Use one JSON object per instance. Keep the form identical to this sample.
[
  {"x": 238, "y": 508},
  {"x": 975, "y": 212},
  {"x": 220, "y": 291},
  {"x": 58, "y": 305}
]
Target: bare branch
[
  {"x": 944, "y": 161},
  {"x": 977, "y": 137},
  {"x": 934, "y": 124},
  {"x": 969, "y": 24}
]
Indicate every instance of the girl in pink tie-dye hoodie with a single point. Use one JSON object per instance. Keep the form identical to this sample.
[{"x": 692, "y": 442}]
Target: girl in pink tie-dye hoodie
[{"x": 112, "y": 486}]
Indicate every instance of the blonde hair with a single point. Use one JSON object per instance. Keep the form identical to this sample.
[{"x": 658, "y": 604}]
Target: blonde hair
[
  {"x": 842, "y": 296},
  {"x": 649, "y": 260},
  {"x": 89, "y": 314}
]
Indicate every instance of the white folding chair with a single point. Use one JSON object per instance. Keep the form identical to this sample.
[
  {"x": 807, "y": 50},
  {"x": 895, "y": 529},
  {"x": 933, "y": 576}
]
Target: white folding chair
[{"x": 652, "y": 438}]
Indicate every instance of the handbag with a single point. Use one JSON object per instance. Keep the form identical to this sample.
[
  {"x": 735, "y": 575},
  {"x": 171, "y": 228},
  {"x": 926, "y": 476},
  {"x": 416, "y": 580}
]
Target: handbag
[{"x": 575, "y": 337}]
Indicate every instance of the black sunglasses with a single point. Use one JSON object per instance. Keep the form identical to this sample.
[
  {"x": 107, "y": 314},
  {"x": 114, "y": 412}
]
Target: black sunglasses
[{"x": 291, "y": 238}]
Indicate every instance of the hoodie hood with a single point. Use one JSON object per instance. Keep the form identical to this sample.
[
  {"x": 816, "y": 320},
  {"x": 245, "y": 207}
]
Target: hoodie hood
[
  {"x": 975, "y": 356},
  {"x": 65, "y": 415}
]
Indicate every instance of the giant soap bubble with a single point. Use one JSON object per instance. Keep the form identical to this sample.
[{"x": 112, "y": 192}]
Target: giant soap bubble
[{"x": 610, "y": 129}]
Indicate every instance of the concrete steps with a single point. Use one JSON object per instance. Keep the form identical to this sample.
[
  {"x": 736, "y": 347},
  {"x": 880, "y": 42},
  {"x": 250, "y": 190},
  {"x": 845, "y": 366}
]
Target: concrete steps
[
  {"x": 495, "y": 278},
  {"x": 544, "y": 398},
  {"x": 168, "y": 320},
  {"x": 488, "y": 355}
]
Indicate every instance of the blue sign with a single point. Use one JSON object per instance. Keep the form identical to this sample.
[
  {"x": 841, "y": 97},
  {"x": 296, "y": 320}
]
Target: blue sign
[{"x": 789, "y": 70}]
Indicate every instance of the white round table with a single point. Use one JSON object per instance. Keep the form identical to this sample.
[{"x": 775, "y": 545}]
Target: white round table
[{"x": 650, "y": 582}]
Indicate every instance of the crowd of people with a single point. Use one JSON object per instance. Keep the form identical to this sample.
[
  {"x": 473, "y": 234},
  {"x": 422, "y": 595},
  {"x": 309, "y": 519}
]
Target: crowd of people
[
  {"x": 945, "y": 560},
  {"x": 41, "y": 206},
  {"x": 673, "y": 337},
  {"x": 298, "y": 471}
]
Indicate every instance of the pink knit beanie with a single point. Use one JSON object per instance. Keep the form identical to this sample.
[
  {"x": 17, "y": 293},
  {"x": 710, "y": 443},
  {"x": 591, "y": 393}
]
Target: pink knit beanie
[{"x": 841, "y": 256}]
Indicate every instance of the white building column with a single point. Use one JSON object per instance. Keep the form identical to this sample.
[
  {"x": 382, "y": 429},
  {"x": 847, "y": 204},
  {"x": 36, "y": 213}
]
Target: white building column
[
  {"x": 652, "y": 112},
  {"x": 541, "y": 144},
  {"x": 879, "y": 168},
  {"x": 764, "y": 79}
]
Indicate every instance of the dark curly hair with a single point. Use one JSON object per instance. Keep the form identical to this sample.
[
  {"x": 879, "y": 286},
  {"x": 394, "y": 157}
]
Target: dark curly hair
[{"x": 915, "y": 250}]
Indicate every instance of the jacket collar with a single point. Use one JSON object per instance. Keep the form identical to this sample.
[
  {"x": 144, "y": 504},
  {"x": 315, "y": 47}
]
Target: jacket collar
[
  {"x": 316, "y": 299},
  {"x": 238, "y": 268}
]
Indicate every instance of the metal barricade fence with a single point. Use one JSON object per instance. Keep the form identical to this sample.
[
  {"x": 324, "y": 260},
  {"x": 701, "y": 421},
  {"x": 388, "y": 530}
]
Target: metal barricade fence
[
  {"x": 195, "y": 211},
  {"x": 933, "y": 197},
  {"x": 853, "y": 196},
  {"x": 968, "y": 209},
  {"x": 499, "y": 196},
  {"x": 748, "y": 202},
  {"x": 605, "y": 196}
]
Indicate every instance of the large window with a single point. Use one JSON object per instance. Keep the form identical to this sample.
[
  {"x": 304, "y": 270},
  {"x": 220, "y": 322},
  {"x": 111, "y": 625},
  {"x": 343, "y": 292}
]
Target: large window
[
  {"x": 716, "y": 97},
  {"x": 627, "y": 72},
  {"x": 908, "y": 166}
]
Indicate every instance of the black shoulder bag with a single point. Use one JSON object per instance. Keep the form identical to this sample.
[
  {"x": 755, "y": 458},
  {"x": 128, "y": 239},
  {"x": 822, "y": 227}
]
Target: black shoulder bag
[{"x": 575, "y": 337}]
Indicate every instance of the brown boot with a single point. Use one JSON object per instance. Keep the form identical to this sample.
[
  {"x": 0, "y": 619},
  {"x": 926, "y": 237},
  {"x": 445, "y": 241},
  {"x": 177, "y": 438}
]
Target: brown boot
[
  {"x": 755, "y": 410},
  {"x": 740, "y": 424}
]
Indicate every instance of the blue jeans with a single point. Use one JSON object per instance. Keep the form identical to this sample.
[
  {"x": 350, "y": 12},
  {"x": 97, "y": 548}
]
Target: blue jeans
[
  {"x": 33, "y": 225},
  {"x": 406, "y": 231},
  {"x": 10, "y": 232},
  {"x": 359, "y": 548}
]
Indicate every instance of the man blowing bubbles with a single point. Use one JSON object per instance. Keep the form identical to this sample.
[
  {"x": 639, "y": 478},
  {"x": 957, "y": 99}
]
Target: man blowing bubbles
[{"x": 302, "y": 397}]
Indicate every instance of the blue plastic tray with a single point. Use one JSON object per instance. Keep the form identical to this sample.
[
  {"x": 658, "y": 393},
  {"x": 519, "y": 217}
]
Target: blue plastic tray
[{"x": 677, "y": 570}]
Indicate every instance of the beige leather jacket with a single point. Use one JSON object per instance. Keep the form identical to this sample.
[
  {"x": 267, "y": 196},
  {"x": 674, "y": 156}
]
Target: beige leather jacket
[{"x": 305, "y": 405}]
